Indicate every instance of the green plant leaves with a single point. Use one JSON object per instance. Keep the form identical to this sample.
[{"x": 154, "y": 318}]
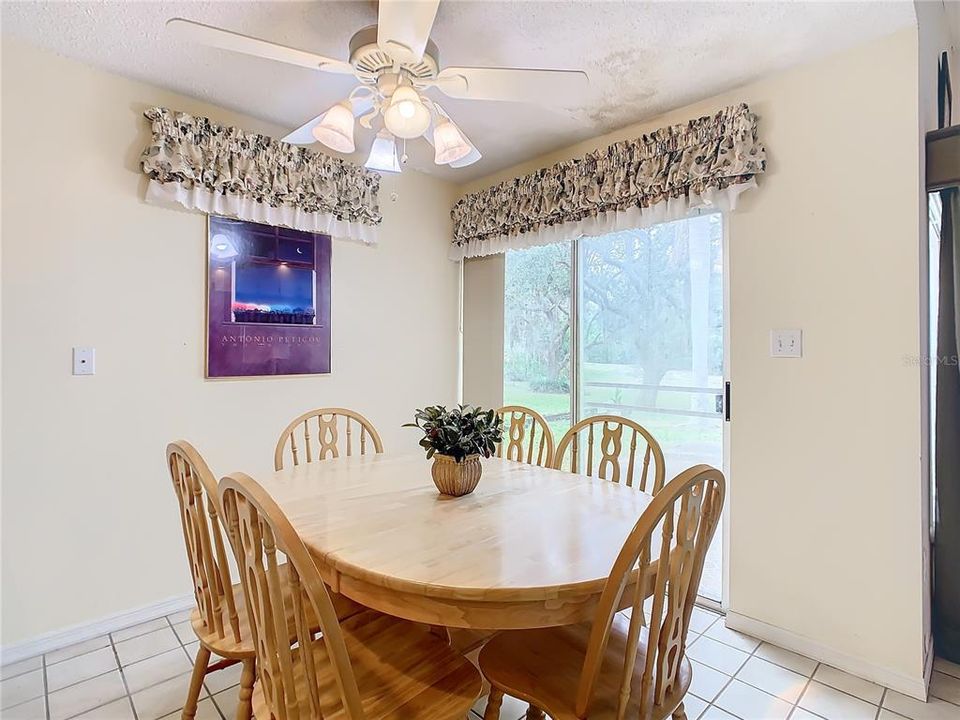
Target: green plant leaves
[{"x": 462, "y": 431}]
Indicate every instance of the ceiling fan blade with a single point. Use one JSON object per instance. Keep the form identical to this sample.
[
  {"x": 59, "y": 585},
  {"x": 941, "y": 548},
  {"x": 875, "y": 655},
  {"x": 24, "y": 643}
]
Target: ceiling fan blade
[
  {"x": 556, "y": 87},
  {"x": 303, "y": 135},
  {"x": 403, "y": 27},
  {"x": 235, "y": 42}
]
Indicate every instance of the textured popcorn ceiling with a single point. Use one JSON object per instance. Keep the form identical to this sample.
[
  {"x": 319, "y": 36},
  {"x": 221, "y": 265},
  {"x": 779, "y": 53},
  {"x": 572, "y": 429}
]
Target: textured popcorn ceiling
[{"x": 643, "y": 58}]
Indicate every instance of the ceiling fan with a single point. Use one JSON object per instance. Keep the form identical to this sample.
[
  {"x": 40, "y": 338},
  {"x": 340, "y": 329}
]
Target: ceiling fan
[{"x": 395, "y": 63}]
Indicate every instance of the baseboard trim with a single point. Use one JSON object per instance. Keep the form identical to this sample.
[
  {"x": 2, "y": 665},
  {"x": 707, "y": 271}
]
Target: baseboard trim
[
  {"x": 915, "y": 687},
  {"x": 48, "y": 642}
]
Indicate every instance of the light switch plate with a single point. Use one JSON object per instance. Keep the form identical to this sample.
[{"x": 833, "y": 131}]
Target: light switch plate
[
  {"x": 84, "y": 360},
  {"x": 786, "y": 343}
]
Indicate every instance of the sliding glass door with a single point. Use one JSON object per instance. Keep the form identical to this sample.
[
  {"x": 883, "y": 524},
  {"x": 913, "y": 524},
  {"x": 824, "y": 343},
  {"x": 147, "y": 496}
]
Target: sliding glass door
[{"x": 645, "y": 311}]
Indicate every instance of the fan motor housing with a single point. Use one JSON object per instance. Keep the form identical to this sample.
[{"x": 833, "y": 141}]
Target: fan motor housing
[{"x": 370, "y": 61}]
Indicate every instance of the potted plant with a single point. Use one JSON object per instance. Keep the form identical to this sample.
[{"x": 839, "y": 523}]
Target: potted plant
[{"x": 455, "y": 439}]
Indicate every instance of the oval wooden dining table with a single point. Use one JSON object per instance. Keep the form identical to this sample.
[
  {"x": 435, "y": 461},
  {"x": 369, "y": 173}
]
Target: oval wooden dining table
[{"x": 530, "y": 547}]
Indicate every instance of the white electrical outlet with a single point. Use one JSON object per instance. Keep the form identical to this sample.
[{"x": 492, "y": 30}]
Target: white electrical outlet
[
  {"x": 84, "y": 360},
  {"x": 786, "y": 343}
]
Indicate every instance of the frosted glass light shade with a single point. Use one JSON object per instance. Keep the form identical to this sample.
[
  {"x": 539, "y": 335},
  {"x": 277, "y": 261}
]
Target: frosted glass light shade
[
  {"x": 383, "y": 154},
  {"x": 406, "y": 116},
  {"x": 449, "y": 143},
  {"x": 336, "y": 129}
]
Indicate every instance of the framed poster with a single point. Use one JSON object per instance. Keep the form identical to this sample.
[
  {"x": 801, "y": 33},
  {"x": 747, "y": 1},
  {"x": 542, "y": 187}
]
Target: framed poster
[{"x": 268, "y": 300}]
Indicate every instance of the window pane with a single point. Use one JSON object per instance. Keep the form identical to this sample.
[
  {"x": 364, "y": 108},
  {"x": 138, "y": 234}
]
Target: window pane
[
  {"x": 651, "y": 338},
  {"x": 652, "y": 334},
  {"x": 650, "y": 330},
  {"x": 536, "y": 327}
]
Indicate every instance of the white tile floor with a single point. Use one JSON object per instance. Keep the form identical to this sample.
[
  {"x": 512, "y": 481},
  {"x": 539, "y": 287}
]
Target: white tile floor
[{"x": 142, "y": 673}]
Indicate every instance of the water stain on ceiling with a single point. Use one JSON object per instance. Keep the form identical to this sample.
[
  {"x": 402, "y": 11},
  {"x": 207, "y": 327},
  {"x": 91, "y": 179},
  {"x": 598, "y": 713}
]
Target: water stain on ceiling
[{"x": 644, "y": 58}]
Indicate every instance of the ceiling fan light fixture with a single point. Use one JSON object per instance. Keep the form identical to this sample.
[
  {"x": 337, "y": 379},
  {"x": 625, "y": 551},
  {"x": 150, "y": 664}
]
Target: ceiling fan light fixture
[
  {"x": 383, "y": 154},
  {"x": 336, "y": 129},
  {"x": 449, "y": 142},
  {"x": 406, "y": 116}
]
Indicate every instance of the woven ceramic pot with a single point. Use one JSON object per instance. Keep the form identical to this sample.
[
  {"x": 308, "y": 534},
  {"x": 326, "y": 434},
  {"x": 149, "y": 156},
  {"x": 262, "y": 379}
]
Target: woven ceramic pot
[{"x": 456, "y": 478}]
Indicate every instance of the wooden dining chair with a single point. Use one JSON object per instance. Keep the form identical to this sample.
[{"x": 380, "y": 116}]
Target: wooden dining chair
[
  {"x": 219, "y": 619},
  {"x": 521, "y": 426},
  {"x": 621, "y": 667},
  {"x": 316, "y": 435},
  {"x": 370, "y": 666},
  {"x": 602, "y": 452}
]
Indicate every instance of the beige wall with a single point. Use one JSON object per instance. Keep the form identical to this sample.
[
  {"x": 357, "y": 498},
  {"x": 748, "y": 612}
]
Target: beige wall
[
  {"x": 89, "y": 520},
  {"x": 825, "y": 503}
]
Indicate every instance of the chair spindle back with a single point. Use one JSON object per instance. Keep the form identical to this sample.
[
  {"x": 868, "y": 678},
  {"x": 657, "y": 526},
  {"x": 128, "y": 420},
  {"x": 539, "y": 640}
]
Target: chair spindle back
[
  {"x": 603, "y": 450},
  {"x": 665, "y": 549},
  {"x": 521, "y": 426},
  {"x": 316, "y": 435},
  {"x": 200, "y": 515},
  {"x": 273, "y": 592}
]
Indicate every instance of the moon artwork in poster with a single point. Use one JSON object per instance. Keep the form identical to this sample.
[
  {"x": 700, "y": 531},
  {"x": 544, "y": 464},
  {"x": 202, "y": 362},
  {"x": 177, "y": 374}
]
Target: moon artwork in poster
[{"x": 268, "y": 302}]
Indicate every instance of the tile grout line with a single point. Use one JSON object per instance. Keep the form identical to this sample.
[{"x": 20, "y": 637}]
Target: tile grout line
[
  {"x": 216, "y": 706},
  {"x": 119, "y": 666},
  {"x": 803, "y": 692},
  {"x": 810, "y": 678},
  {"x": 127, "y": 694},
  {"x": 883, "y": 696},
  {"x": 46, "y": 694},
  {"x": 78, "y": 655},
  {"x": 733, "y": 677},
  {"x": 192, "y": 662},
  {"x": 109, "y": 637},
  {"x": 117, "y": 669},
  {"x": 850, "y": 694},
  {"x": 712, "y": 703},
  {"x": 943, "y": 699},
  {"x": 123, "y": 677},
  {"x": 795, "y": 705},
  {"x": 28, "y": 670},
  {"x": 110, "y": 644},
  {"x": 22, "y": 703},
  {"x": 145, "y": 632}
]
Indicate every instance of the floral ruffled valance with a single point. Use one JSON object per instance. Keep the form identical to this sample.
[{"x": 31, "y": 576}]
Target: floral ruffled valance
[
  {"x": 194, "y": 162},
  {"x": 666, "y": 175}
]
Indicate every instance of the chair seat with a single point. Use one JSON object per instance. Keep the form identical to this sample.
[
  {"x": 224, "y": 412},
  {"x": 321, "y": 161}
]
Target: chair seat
[
  {"x": 403, "y": 671},
  {"x": 543, "y": 667},
  {"x": 227, "y": 647}
]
